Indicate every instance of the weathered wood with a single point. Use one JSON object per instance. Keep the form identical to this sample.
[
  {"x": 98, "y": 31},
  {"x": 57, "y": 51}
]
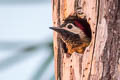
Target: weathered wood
[{"x": 100, "y": 60}]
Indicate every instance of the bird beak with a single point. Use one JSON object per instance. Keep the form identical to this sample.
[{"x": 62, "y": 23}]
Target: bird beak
[
  {"x": 57, "y": 29},
  {"x": 61, "y": 31},
  {"x": 65, "y": 34}
]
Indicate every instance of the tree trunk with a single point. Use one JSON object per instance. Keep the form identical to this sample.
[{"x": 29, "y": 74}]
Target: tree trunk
[{"x": 101, "y": 59}]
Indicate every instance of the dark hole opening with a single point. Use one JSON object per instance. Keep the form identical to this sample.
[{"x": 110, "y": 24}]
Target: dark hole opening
[{"x": 64, "y": 47}]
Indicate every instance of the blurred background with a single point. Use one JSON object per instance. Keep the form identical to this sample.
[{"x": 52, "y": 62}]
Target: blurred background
[{"x": 26, "y": 50}]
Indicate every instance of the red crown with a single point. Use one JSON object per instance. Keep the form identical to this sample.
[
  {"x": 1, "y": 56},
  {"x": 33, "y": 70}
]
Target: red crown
[{"x": 79, "y": 25}]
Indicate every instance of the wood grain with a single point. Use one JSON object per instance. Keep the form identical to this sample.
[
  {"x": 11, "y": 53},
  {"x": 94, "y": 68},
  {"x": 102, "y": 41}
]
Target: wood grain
[{"x": 101, "y": 59}]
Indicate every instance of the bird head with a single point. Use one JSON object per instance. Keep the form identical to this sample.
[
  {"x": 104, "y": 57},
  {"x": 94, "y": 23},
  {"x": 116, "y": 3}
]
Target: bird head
[{"x": 73, "y": 26}]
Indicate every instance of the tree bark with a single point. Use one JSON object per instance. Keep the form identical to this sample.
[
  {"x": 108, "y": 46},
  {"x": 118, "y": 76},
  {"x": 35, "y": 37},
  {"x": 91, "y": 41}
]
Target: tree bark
[{"x": 101, "y": 59}]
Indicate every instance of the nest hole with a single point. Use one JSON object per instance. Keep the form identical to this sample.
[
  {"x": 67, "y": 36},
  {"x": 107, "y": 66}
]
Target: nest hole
[{"x": 83, "y": 22}]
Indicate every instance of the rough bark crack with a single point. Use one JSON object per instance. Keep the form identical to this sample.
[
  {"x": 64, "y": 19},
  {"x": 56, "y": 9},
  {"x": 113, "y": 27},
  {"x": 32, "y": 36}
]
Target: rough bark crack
[
  {"x": 98, "y": 9},
  {"x": 59, "y": 46}
]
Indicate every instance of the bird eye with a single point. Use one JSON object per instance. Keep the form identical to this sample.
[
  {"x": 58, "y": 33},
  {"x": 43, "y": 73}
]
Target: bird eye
[{"x": 69, "y": 26}]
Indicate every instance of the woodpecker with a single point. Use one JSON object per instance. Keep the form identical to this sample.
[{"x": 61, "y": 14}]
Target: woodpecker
[{"x": 75, "y": 33}]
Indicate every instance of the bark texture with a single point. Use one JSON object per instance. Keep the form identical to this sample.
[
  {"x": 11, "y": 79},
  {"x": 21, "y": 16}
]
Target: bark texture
[{"x": 101, "y": 59}]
